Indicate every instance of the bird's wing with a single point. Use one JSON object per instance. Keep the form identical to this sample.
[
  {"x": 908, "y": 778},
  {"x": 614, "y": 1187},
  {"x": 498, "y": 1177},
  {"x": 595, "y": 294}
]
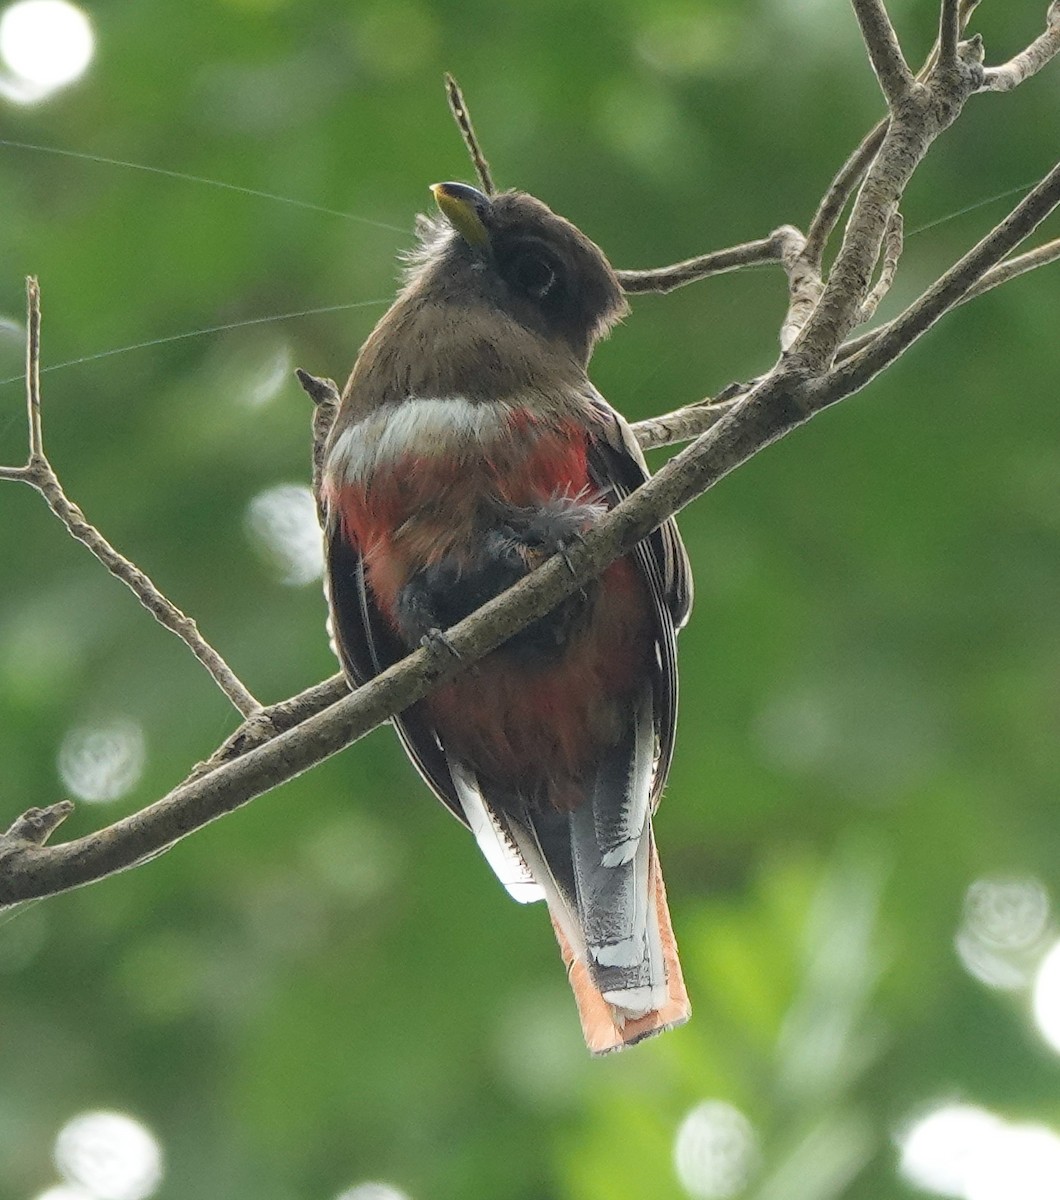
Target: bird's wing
[
  {"x": 617, "y": 467},
  {"x": 366, "y": 645}
]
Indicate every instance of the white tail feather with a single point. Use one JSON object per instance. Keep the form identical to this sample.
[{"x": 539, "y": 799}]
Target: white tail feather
[{"x": 494, "y": 840}]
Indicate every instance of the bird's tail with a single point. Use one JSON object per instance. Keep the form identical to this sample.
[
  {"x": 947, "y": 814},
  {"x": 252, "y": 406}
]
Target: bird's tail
[
  {"x": 598, "y": 870},
  {"x": 620, "y": 1006}
]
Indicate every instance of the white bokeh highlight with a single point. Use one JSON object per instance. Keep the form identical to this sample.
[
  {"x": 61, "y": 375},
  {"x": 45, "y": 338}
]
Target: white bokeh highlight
[
  {"x": 1002, "y": 932},
  {"x": 104, "y": 761},
  {"x": 938, "y": 1149},
  {"x": 969, "y": 1153},
  {"x": 373, "y": 1191},
  {"x": 715, "y": 1152},
  {"x": 110, "y": 1155},
  {"x": 268, "y": 379},
  {"x": 45, "y": 45},
  {"x": 1046, "y": 999},
  {"x": 281, "y": 523},
  {"x": 1020, "y": 1162}
]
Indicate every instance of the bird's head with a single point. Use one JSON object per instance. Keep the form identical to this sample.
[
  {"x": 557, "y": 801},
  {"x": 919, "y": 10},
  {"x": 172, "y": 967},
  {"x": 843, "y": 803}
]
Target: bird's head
[{"x": 512, "y": 254}]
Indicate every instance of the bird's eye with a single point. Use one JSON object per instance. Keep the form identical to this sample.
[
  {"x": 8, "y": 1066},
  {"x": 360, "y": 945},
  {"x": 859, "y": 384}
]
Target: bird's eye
[{"x": 533, "y": 274}]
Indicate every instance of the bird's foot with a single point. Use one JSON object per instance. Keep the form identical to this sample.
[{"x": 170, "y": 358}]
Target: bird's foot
[{"x": 436, "y": 640}]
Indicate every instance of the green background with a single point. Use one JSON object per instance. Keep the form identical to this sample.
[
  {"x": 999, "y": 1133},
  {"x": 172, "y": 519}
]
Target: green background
[{"x": 330, "y": 986}]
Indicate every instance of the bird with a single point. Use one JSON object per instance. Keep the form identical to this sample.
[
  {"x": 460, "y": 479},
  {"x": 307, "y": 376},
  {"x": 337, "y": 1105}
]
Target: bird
[{"x": 468, "y": 448}]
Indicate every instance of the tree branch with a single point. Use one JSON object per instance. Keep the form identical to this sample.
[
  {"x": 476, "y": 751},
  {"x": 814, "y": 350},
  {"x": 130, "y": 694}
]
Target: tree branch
[
  {"x": 949, "y": 33},
  {"x": 27, "y": 871},
  {"x": 853, "y": 170},
  {"x": 685, "y": 423},
  {"x": 947, "y": 292},
  {"x": 36, "y": 436},
  {"x": 749, "y": 254},
  {"x": 40, "y": 475},
  {"x": 275, "y": 719},
  {"x": 1030, "y": 61},
  {"x": 892, "y": 253},
  {"x": 1011, "y": 268},
  {"x": 885, "y": 53},
  {"x": 919, "y": 113},
  {"x": 462, "y": 117}
]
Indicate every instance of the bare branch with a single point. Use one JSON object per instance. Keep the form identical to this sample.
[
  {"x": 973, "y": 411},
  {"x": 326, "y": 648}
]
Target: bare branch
[
  {"x": 36, "y": 440},
  {"x": 1030, "y": 61},
  {"x": 467, "y": 131},
  {"x": 805, "y": 288},
  {"x": 949, "y": 33},
  {"x": 1041, "y": 256},
  {"x": 689, "y": 422},
  {"x": 36, "y": 825},
  {"x": 684, "y": 424},
  {"x": 853, "y": 170},
  {"x": 1011, "y": 268},
  {"x": 1002, "y": 273},
  {"x": 40, "y": 475},
  {"x": 885, "y": 53},
  {"x": 839, "y": 192},
  {"x": 164, "y": 611},
  {"x": 948, "y": 291},
  {"x": 325, "y": 397},
  {"x": 749, "y": 254},
  {"x": 276, "y": 718},
  {"x": 766, "y": 413},
  {"x": 892, "y": 252},
  {"x": 922, "y": 116}
]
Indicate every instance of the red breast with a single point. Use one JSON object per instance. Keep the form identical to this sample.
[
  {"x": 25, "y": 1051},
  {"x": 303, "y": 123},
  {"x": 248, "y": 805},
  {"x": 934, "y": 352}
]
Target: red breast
[{"x": 408, "y": 501}]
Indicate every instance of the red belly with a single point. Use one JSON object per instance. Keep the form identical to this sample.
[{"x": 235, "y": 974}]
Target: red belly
[
  {"x": 515, "y": 722},
  {"x": 523, "y": 724}
]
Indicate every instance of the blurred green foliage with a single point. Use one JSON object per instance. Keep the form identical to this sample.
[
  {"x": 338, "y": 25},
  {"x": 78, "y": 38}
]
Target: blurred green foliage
[{"x": 329, "y": 986}]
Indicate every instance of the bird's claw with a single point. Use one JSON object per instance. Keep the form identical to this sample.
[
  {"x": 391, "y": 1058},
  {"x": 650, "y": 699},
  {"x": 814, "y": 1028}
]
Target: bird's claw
[
  {"x": 435, "y": 639},
  {"x": 575, "y": 537}
]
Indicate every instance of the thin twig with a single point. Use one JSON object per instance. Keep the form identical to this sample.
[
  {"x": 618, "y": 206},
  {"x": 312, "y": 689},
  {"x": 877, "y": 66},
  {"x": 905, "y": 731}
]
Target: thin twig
[
  {"x": 689, "y": 422},
  {"x": 853, "y": 170},
  {"x": 275, "y": 719},
  {"x": 684, "y": 424},
  {"x": 1030, "y": 61},
  {"x": 885, "y": 52},
  {"x": 892, "y": 252},
  {"x": 1048, "y": 252},
  {"x": 948, "y": 290},
  {"x": 749, "y": 254},
  {"x": 949, "y": 33},
  {"x": 164, "y": 611},
  {"x": 40, "y": 475},
  {"x": 462, "y": 116},
  {"x": 36, "y": 437},
  {"x": 839, "y": 192},
  {"x": 1011, "y": 268},
  {"x": 326, "y": 399}
]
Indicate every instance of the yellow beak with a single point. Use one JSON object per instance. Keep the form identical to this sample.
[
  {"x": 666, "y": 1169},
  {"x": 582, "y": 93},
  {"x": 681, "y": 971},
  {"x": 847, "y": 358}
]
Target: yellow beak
[{"x": 464, "y": 208}]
